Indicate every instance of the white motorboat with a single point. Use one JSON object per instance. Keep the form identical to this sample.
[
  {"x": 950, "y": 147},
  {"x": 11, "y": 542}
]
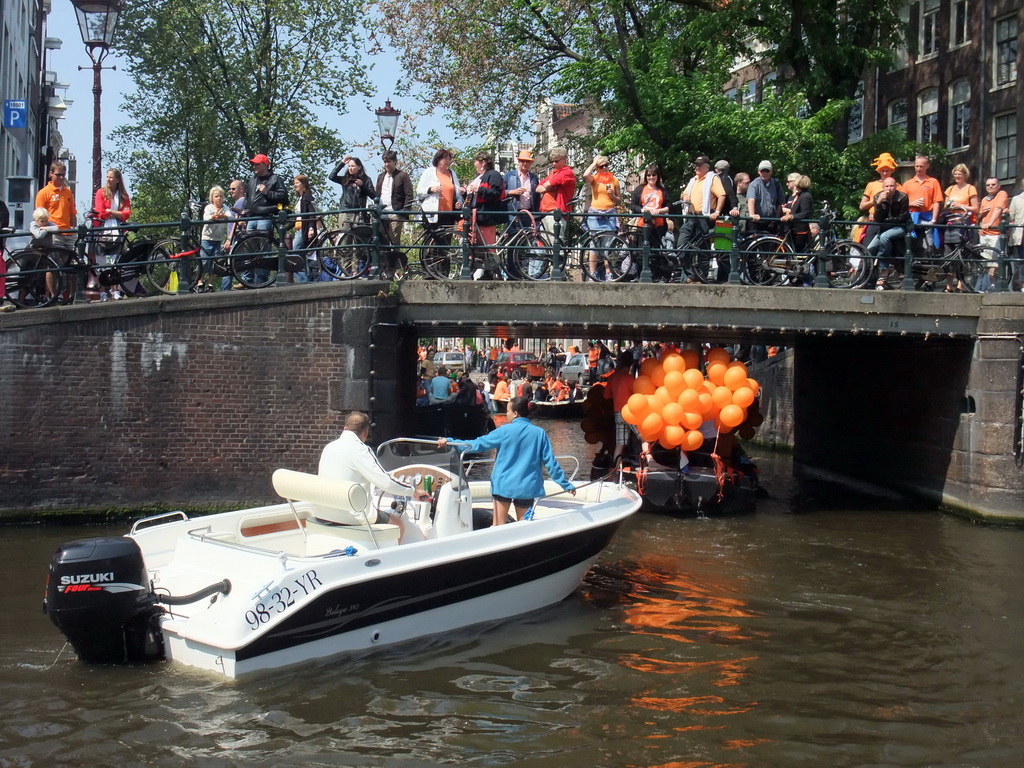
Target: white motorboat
[{"x": 263, "y": 588}]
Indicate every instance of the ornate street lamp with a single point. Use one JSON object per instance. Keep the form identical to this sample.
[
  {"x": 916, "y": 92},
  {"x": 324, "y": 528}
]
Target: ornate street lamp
[
  {"x": 97, "y": 21},
  {"x": 387, "y": 124}
]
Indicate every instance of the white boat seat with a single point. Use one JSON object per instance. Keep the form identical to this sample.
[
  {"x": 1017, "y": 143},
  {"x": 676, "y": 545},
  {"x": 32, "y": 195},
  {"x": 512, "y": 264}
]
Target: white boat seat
[{"x": 332, "y": 500}]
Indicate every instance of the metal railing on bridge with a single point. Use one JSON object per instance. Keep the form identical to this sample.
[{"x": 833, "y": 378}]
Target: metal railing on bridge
[{"x": 373, "y": 243}]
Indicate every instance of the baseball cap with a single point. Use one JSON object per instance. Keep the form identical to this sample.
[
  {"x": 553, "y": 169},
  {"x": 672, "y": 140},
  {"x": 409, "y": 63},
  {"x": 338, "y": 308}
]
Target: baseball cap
[
  {"x": 721, "y": 165},
  {"x": 766, "y": 165},
  {"x": 260, "y": 159},
  {"x": 701, "y": 160}
]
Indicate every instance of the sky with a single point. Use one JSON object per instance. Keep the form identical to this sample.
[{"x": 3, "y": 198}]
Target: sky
[{"x": 76, "y": 127}]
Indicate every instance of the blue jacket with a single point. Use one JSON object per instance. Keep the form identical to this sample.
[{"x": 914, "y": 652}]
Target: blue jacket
[
  {"x": 512, "y": 182},
  {"x": 522, "y": 449}
]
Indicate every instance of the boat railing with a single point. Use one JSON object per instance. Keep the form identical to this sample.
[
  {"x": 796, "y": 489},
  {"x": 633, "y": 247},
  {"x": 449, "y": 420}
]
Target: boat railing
[
  {"x": 470, "y": 464},
  {"x": 138, "y": 525},
  {"x": 226, "y": 539}
]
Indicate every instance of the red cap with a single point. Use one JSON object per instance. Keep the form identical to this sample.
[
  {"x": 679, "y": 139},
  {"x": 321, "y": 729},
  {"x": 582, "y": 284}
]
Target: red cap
[{"x": 260, "y": 159}]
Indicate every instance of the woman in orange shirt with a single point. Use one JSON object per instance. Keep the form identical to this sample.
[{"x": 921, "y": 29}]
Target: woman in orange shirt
[{"x": 961, "y": 204}]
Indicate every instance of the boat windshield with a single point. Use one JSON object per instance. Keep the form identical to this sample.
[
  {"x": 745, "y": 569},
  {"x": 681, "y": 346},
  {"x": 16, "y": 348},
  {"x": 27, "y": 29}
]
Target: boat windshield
[{"x": 403, "y": 452}]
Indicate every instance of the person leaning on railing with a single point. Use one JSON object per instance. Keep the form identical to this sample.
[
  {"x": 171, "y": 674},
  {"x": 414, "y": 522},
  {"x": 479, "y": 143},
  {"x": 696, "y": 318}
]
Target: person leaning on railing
[{"x": 892, "y": 215}]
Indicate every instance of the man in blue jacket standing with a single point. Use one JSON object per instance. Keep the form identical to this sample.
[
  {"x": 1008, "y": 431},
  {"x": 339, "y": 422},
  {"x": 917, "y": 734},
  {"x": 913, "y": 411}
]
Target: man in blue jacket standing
[{"x": 521, "y": 189}]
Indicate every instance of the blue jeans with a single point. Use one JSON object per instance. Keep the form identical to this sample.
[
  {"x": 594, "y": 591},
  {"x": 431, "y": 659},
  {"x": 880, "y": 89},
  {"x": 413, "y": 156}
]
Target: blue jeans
[
  {"x": 260, "y": 225},
  {"x": 298, "y": 244},
  {"x": 881, "y": 245}
]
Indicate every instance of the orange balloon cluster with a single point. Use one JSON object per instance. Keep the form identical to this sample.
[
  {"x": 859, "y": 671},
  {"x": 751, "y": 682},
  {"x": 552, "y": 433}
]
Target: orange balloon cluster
[{"x": 672, "y": 398}]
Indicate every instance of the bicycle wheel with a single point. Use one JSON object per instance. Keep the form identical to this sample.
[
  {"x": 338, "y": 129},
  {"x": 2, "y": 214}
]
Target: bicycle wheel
[
  {"x": 979, "y": 268},
  {"x": 529, "y": 255},
  {"x": 606, "y": 257},
  {"x": 439, "y": 258},
  {"x": 709, "y": 265},
  {"x": 169, "y": 270},
  {"x": 27, "y": 273},
  {"x": 254, "y": 260},
  {"x": 847, "y": 265},
  {"x": 347, "y": 256},
  {"x": 761, "y": 260}
]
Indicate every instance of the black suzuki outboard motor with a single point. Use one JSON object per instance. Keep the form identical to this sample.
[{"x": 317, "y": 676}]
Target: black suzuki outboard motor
[{"x": 99, "y": 595}]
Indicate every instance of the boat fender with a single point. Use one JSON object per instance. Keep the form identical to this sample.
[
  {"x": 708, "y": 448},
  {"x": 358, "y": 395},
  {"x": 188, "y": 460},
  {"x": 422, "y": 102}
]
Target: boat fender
[{"x": 221, "y": 587}]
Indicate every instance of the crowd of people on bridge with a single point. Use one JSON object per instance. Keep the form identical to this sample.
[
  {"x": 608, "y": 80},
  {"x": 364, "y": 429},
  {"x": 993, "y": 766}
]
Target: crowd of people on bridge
[{"x": 762, "y": 203}]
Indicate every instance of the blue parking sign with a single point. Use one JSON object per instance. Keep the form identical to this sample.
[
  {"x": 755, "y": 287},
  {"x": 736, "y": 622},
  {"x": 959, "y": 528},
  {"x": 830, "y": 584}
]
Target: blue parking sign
[{"x": 15, "y": 114}]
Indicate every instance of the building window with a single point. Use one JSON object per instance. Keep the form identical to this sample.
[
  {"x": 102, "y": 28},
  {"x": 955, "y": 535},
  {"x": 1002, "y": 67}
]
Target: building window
[
  {"x": 731, "y": 94},
  {"x": 898, "y": 114},
  {"x": 901, "y": 56},
  {"x": 960, "y": 23},
  {"x": 928, "y": 115},
  {"x": 748, "y": 94},
  {"x": 959, "y": 114},
  {"x": 769, "y": 84},
  {"x": 1006, "y": 50},
  {"x": 929, "y": 28},
  {"x": 856, "y": 123},
  {"x": 1004, "y": 134}
]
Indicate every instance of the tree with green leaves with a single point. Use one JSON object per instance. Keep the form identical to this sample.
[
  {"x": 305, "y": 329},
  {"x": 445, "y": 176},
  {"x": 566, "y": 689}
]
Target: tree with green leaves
[
  {"x": 217, "y": 83},
  {"x": 654, "y": 74}
]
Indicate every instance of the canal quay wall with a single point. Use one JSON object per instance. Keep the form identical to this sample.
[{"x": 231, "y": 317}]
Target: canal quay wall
[
  {"x": 191, "y": 401},
  {"x": 188, "y": 401}
]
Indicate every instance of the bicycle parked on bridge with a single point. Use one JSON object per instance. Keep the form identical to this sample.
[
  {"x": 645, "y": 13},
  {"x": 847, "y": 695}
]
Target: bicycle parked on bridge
[
  {"x": 772, "y": 260},
  {"x": 252, "y": 258},
  {"x": 960, "y": 265}
]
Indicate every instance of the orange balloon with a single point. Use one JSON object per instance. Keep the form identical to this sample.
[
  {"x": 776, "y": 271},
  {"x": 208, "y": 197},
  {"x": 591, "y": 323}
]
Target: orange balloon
[
  {"x": 735, "y": 377},
  {"x": 709, "y": 386},
  {"x": 628, "y": 416},
  {"x": 651, "y": 426},
  {"x": 673, "y": 362},
  {"x": 722, "y": 396},
  {"x": 638, "y": 406},
  {"x": 704, "y": 402},
  {"x": 753, "y": 385},
  {"x": 732, "y": 415},
  {"x": 644, "y": 385},
  {"x": 672, "y": 436},
  {"x": 691, "y": 420},
  {"x": 691, "y": 358},
  {"x": 716, "y": 372},
  {"x": 662, "y": 394},
  {"x": 743, "y": 397},
  {"x": 657, "y": 375},
  {"x": 672, "y": 413},
  {"x": 718, "y": 355},
  {"x": 693, "y": 440},
  {"x": 694, "y": 378},
  {"x": 688, "y": 399},
  {"x": 647, "y": 366},
  {"x": 675, "y": 383}
]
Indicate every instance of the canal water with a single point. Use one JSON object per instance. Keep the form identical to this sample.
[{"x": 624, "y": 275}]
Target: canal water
[{"x": 816, "y": 632}]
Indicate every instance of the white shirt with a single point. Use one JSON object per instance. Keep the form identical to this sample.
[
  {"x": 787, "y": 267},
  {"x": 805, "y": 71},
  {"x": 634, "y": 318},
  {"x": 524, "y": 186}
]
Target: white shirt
[{"x": 349, "y": 458}]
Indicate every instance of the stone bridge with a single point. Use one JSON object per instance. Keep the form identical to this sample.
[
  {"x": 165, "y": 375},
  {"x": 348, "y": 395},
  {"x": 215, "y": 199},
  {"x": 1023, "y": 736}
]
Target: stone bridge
[{"x": 191, "y": 401}]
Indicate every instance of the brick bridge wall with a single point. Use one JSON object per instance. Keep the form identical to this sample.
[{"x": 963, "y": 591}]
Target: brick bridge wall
[{"x": 187, "y": 402}]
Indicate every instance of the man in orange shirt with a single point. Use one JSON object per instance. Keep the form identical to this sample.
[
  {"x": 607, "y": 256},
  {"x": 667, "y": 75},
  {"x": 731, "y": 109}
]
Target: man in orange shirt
[
  {"x": 557, "y": 188},
  {"x": 705, "y": 195},
  {"x": 885, "y": 165},
  {"x": 925, "y": 195},
  {"x": 56, "y": 197},
  {"x": 593, "y": 355}
]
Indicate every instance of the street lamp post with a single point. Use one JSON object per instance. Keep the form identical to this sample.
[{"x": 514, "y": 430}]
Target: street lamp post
[
  {"x": 387, "y": 124},
  {"x": 97, "y": 21}
]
